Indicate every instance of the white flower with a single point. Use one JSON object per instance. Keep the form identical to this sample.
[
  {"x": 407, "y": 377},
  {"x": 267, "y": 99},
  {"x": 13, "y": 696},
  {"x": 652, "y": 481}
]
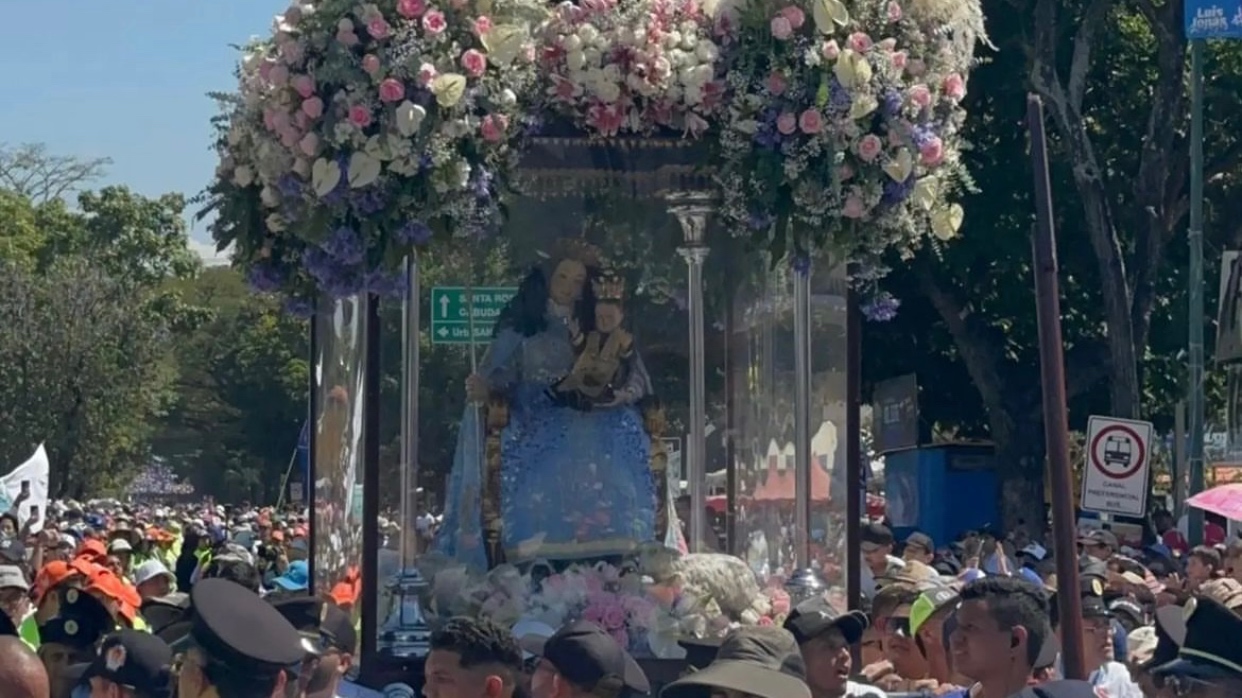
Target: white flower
[
  {"x": 672, "y": 39},
  {"x": 276, "y": 223},
  {"x": 588, "y": 34},
  {"x": 747, "y": 126},
  {"x": 571, "y": 42},
  {"x": 575, "y": 60},
  {"x": 812, "y": 58},
  {"x": 302, "y": 167},
  {"x": 625, "y": 36},
  {"x": 507, "y": 98},
  {"x": 607, "y": 91},
  {"x": 462, "y": 171},
  {"x": 270, "y": 197},
  {"x": 409, "y": 117},
  {"x": 243, "y": 176},
  {"x": 706, "y": 52},
  {"x": 592, "y": 56}
]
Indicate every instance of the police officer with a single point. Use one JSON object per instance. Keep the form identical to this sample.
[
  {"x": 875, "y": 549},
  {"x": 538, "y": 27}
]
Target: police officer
[
  {"x": 72, "y": 636},
  {"x": 1209, "y": 661},
  {"x": 131, "y": 663},
  {"x": 328, "y": 639},
  {"x": 239, "y": 646}
]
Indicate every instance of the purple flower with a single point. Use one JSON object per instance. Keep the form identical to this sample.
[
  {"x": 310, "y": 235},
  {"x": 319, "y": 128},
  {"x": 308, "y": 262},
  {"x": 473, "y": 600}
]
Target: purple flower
[
  {"x": 299, "y": 307},
  {"x": 366, "y": 202},
  {"x": 896, "y": 192},
  {"x": 891, "y": 102},
  {"x": 922, "y": 133},
  {"x": 387, "y": 284},
  {"x": 264, "y": 278},
  {"x": 413, "y": 233},
  {"x": 290, "y": 186},
  {"x": 880, "y": 307},
  {"x": 839, "y": 99},
  {"x": 345, "y": 246},
  {"x": 760, "y": 220}
]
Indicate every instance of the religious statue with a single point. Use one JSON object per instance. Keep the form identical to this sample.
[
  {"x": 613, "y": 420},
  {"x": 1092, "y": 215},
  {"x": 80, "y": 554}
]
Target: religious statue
[
  {"x": 554, "y": 459},
  {"x": 603, "y": 374}
]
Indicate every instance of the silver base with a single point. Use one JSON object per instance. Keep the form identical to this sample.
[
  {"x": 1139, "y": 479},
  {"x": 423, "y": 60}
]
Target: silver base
[
  {"x": 804, "y": 584},
  {"x": 406, "y": 635}
]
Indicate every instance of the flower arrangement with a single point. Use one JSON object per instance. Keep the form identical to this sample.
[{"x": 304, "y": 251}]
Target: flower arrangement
[
  {"x": 632, "y": 67},
  {"x": 363, "y": 129},
  {"x": 843, "y": 122}
]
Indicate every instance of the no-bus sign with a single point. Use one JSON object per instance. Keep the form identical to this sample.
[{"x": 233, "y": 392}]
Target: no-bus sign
[{"x": 1118, "y": 458}]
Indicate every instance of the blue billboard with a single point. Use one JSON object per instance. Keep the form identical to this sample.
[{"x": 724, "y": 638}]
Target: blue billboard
[{"x": 1213, "y": 19}]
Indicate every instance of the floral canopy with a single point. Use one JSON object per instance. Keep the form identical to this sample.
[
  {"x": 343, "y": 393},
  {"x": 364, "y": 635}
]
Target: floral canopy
[{"x": 361, "y": 130}]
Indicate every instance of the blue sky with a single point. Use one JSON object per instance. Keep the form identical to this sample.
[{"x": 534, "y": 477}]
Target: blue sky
[{"x": 125, "y": 79}]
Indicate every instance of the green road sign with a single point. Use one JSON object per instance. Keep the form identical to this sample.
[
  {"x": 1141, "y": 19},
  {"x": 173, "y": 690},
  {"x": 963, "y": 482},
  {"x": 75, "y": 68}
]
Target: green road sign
[{"x": 450, "y": 312}]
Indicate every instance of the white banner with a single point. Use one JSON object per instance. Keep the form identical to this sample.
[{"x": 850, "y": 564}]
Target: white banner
[{"x": 34, "y": 472}]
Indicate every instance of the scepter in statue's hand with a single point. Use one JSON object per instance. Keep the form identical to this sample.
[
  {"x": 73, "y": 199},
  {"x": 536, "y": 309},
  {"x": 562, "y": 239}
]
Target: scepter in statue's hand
[{"x": 476, "y": 388}]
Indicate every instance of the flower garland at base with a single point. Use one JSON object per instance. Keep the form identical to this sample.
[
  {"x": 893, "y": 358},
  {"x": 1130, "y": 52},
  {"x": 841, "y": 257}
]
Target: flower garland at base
[
  {"x": 647, "y": 619},
  {"x": 844, "y": 127}
]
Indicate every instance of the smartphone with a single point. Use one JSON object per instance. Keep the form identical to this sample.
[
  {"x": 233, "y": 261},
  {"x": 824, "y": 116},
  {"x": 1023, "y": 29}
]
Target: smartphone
[
  {"x": 34, "y": 513},
  {"x": 26, "y": 487}
]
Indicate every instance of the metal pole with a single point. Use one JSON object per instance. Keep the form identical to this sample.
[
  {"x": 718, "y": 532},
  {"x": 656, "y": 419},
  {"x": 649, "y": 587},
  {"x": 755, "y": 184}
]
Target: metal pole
[
  {"x": 802, "y": 415},
  {"x": 1052, "y": 370},
  {"x": 1179, "y": 458},
  {"x": 692, "y": 209},
  {"x": 1195, "y": 313},
  {"x": 410, "y": 323}
]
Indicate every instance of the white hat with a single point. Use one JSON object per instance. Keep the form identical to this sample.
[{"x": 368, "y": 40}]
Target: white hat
[
  {"x": 529, "y": 627},
  {"x": 1036, "y": 551},
  {"x": 120, "y": 545},
  {"x": 150, "y": 570}
]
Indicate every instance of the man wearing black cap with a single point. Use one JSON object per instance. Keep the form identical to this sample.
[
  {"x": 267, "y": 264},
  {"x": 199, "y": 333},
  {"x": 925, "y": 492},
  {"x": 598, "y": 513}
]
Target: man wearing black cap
[
  {"x": 919, "y": 547},
  {"x": 472, "y": 658},
  {"x": 754, "y": 661},
  {"x": 582, "y": 660},
  {"x": 240, "y": 647},
  {"x": 824, "y": 638},
  {"x": 72, "y": 636},
  {"x": 1109, "y": 676},
  {"x": 131, "y": 664},
  {"x": 329, "y": 639},
  {"x": 877, "y": 553},
  {"x": 1099, "y": 544},
  {"x": 1209, "y": 662}
]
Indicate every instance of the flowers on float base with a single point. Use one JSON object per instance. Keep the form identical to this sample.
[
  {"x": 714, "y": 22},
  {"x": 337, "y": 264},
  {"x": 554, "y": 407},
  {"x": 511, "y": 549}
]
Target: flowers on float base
[
  {"x": 843, "y": 129},
  {"x": 632, "y": 67},
  {"x": 371, "y": 116}
]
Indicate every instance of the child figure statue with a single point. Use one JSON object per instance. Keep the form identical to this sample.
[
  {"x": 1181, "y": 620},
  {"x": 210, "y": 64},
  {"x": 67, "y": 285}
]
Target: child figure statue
[{"x": 603, "y": 375}]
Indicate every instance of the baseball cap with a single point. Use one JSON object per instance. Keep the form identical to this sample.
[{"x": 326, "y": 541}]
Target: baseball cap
[
  {"x": 1034, "y": 550},
  {"x": 1099, "y": 537},
  {"x": 150, "y": 570},
  {"x": 530, "y": 628},
  {"x": 136, "y": 660},
  {"x": 921, "y": 540},
  {"x": 815, "y": 616},
  {"x": 874, "y": 535},
  {"x": 295, "y": 578},
  {"x": 926, "y": 605},
  {"x": 587, "y": 656},
  {"x": 12, "y": 550},
  {"x": 755, "y": 660},
  {"x": 12, "y": 577}
]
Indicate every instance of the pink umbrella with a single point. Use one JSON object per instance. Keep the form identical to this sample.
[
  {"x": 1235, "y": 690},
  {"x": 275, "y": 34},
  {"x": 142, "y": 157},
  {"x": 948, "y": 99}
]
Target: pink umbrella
[{"x": 1225, "y": 500}]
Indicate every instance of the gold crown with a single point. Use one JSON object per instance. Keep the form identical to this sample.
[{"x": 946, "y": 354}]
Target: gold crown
[
  {"x": 609, "y": 287},
  {"x": 578, "y": 250}
]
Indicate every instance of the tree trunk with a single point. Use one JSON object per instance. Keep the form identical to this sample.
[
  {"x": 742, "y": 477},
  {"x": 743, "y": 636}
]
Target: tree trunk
[{"x": 1020, "y": 465}]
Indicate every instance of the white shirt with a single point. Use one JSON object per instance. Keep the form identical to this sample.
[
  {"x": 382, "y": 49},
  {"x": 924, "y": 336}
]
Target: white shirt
[
  {"x": 853, "y": 689},
  {"x": 1114, "y": 680},
  {"x": 345, "y": 689}
]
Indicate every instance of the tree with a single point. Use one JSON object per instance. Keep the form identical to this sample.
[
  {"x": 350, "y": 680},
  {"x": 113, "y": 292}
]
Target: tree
[
  {"x": 30, "y": 171},
  {"x": 82, "y": 373},
  {"x": 1121, "y": 199}
]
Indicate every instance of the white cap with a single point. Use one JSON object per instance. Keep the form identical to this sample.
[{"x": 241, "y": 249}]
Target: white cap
[
  {"x": 1036, "y": 551},
  {"x": 529, "y": 627},
  {"x": 120, "y": 545},
  {"x": 150, "y": 570}
]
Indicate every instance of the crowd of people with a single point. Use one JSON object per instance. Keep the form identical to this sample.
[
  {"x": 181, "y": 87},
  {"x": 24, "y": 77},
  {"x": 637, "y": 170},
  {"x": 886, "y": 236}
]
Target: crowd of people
[{"x": 109, "y": 600}]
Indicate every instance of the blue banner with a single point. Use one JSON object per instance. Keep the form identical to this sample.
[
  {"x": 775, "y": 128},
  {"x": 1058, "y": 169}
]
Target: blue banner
[{"x": 1214, "y": 19}]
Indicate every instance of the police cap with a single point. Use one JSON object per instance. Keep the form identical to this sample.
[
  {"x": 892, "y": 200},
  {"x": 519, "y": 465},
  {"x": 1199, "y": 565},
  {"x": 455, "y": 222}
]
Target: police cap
[
  {"x": 1210, "y": 650},
  {"x": 234, "y": 626},
  {"x": 81, "y": 623}
]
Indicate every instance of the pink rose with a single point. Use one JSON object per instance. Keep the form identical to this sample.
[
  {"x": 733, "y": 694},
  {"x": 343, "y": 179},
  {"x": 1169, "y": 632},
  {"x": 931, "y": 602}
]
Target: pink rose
[
  {"x": 312, "y": 107},
  {"x": 776, "y": 84},
  {"x": 301, "y": 120},
  {"x": 309, "y": 145},
  {"x": 931, "y": 152},
  {"x": 795, "y": 15},
  {"x": 781, "y": 28},
  {"x": 593, "y": 613},
  {"x": 493, "y": 127},
  {"x": 920, "y": 96},
  {"x": 474, "y": 63},
  {"x": 810, "y": 122},
  {"x": 860, "y": 42},
  {"x": 391, "y": 90},
  {"x": 787, "y": 123},
  {"x": 899, "y": 59},
  {"x": 411, "y": 9},
  {"x": 279, "y": 121},
  {"x": 346, "y": 38},
  {"x": 378, "y": 28},
  {"x": 954, "y": 87},
  {"x": 894, "y": 11},
  {"x": 278, "y": 76},
  {"x": 371, "y": 64},
  {"x": 869, "y": 147},
  {"x": 426, "y": 73},
  {"x": 482, "y": 25},
  {"x": 434, "y": 22},
  {"x": 853, "y": 207},
  {"x": 304, "y": 85},
  {"x": 766, "y": 622},
  {"x": 831, "y": 50},
  {"x": 614, "y": 618},
  {"x": 289, "y": 138},
  {"x": 359, "y": 116}
]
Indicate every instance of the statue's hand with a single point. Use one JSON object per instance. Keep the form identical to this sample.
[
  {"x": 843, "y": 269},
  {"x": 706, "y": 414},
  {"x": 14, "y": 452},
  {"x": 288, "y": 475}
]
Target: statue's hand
[{"x": 476, "y": 388}]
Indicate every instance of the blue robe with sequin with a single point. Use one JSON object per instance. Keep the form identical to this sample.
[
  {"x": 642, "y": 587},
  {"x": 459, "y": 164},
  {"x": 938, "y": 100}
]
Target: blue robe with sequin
[{"x": 574, "y": 484}]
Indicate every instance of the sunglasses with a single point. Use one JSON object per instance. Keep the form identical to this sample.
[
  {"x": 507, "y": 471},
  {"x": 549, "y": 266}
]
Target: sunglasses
[{"x": 895, "y": 625}]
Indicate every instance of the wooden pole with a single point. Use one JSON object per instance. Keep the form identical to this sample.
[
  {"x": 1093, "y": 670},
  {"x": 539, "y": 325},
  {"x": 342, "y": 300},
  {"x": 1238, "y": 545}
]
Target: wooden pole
[{"x": 1056, "y": 428}]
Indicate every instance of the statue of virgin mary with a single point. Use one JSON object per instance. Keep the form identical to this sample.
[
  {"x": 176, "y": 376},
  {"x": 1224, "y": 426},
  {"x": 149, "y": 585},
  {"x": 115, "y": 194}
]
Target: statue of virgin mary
[{"x": 536, "y": 476}]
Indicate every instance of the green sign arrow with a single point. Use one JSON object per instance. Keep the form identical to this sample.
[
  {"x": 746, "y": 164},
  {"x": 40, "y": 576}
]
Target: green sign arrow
[{"x": 451, "y": 312}]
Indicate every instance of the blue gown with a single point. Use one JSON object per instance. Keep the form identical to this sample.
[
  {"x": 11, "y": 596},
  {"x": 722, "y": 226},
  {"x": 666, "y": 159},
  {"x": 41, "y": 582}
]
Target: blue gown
[{"x": 574, "y": 484}]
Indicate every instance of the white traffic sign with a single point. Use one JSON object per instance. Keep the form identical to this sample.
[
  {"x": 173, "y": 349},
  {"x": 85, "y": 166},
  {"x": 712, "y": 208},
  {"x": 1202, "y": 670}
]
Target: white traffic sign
[{"x": 1118, "y": 459}]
